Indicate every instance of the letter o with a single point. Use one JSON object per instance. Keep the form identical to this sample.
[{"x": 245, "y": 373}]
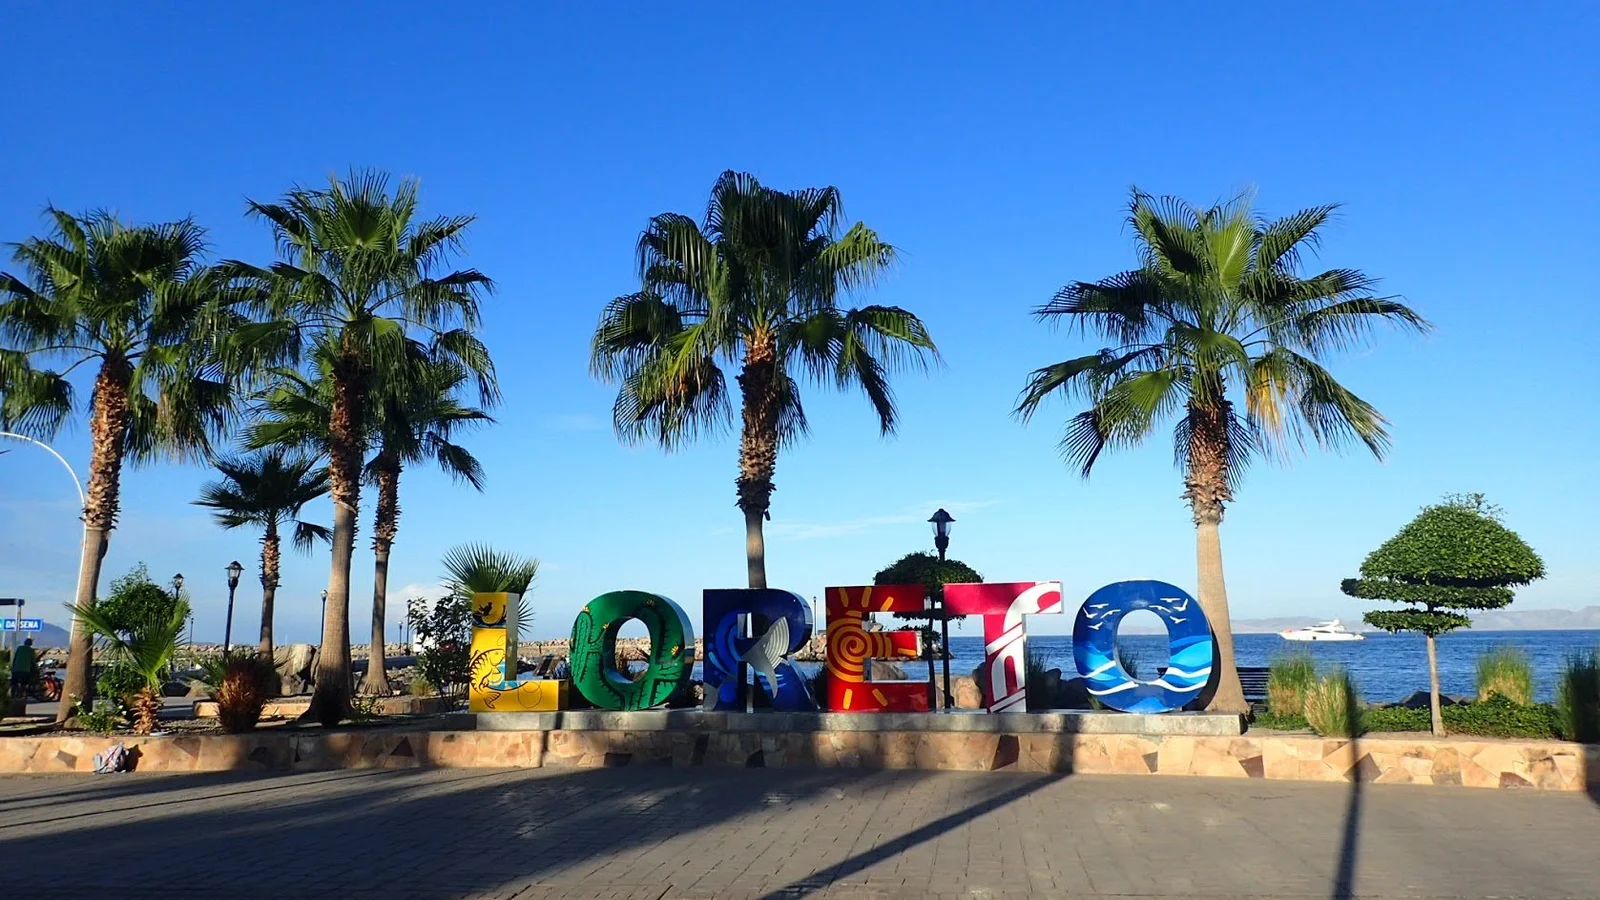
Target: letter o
[
  {"x": 593, "y": 658},
  {"x": 1190, "y": 648}
]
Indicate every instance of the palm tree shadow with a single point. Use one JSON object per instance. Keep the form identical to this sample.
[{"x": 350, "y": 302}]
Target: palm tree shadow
[
  {"x": 822, "y": 878},
  {"x": 1344, "y": 879}
]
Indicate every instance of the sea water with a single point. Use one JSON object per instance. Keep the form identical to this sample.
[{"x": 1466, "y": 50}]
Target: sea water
[{"x": 1385, "y": 667}]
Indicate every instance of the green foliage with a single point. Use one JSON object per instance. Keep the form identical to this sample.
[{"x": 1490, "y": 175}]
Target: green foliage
[
  {"x": 1294, "y": 722},
  {"x": 1453, "y": 557},
  {"x": 445, "y": 631},
  {"x": 107, "y": 716},
  {"x": 119, "y": 681},
  {"x": 135, "y": 601},
  {"x": 1398, "y": 718},
  {"x": 1037, "y": 685},
  {"x": 1333, "y": 706},
  {"x": 480, "y": 569},
  {"x": 1500, "y": 716},
  {"x": 365, "y": 707},
  {"x": 765, "y": 271},
  {"x": 5, "y": 659},
  {"x": 1289, "y": 678},
  {"x": 147, "y": 647},
  {"x": 132, "y": 303},
  {"x": 1578, "y": 698},
  {"x": 265, "y": 490},
  {"x": 419, "y": 685},
  {"x": 1505, "y": 671},
  {"x": 933, "y": 573},
  {"x": 1218, "y": 303}
]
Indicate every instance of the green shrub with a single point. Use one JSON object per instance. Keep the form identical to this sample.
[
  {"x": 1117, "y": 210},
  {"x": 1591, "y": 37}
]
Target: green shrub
[
  {"x": 419, "y": 686},
  {"x": 1294, "y": 722},
  {"x": 1039, "y": 694},
  {"x": 1397, "y": 718},
  {"x": 1499, "y": 716},
  {"x": 1578, "y": 698},
  {"x": 106, "y": 716},
  {"x": 5, "y": 659},
  {"x": 1289, "y": 678},
  {"x": 1333, "y": 706},
  {"x": 1507, "y": 672},
  {"x": 118, "y": 681}
]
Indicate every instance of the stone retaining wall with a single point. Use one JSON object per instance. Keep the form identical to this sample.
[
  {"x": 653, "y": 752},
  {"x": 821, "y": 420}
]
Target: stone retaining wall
[{"x": 1548, "y": 765}]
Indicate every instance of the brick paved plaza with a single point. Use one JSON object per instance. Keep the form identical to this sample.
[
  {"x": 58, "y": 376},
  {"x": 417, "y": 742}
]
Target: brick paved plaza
[{"x": 654, "y": 833}]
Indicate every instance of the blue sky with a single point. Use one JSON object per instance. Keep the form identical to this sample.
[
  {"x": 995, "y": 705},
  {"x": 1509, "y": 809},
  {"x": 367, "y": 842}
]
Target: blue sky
[{"x": 994, "y": 146}]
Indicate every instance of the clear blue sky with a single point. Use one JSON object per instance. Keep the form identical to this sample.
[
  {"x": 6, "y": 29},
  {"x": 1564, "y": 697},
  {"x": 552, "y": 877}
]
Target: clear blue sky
[{"x": 994, "y": 145}]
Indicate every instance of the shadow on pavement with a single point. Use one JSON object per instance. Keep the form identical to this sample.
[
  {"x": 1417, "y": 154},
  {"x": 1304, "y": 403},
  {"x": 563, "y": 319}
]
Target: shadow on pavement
[{"x": 821, "y": 879}]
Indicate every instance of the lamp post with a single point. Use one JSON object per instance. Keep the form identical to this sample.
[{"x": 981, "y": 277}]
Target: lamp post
[
  {"x": 234, "y": 571},
  {"x": 324, "y": 617},
  {"x": 177, "y": 585},
  {"x": 941, "y": 541}
]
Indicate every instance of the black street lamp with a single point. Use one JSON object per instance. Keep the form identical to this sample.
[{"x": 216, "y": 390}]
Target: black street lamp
[
  {"x": 322, "y": 629},
  {"x": 941, "y": 541},
  {"x": 177, "y": 585},
  {"x": 234, "y": 571}
]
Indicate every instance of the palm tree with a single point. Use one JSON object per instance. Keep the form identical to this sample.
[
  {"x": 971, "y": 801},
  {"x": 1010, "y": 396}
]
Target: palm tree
[
  {"x": 359, "y": 275},
  {"x": 267, "y": 490},
  {"x": 757, "y": 287},
  {"x": 134, "y": 305},
  {"x": 1217, "y": 307},
  {"x": 147, "y": 649},
  {"x": 416, "y": 416}
]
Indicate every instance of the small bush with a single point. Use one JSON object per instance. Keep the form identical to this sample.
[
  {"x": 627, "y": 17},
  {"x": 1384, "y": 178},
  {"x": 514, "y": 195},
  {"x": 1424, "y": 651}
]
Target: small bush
[
  {"x": 419, "y": 686},
  {"x": 1039, "y": 695},
  {"x": 1578, "y": 698},
  {"x": 1289, "y": 678},
  {"x": 1507, "y": 672},
  {"x": 365, "y": 707},
  {"x": 1397, "y": 718},
  {"x": 1294, "y": 722},
  {"x": 119, "y": 681},
  {"x": 1333, "y": 707},
  {"x": 1499, "y": 716},
  {"x": 242, "y": 690},
  {"x": 106, "y": 717}
]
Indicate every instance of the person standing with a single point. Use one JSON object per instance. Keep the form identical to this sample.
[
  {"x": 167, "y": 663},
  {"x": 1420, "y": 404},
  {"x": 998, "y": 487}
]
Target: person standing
[{"x": 22, "y": 662}]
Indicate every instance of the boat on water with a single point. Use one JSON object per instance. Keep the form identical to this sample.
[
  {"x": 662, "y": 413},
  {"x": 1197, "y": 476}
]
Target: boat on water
[{"x": 1326, "y": 631}]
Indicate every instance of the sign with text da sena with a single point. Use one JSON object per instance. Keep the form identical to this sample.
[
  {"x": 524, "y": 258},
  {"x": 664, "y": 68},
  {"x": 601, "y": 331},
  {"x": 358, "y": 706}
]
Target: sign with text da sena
[
  {"x": 751, "y": 635},
  {"x": 27, "y": 625}
]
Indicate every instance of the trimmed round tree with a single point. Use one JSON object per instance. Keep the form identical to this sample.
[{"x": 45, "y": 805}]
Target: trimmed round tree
[
  {"x": 933, "y": 573},
  {"x": 1455, "y": 556}
]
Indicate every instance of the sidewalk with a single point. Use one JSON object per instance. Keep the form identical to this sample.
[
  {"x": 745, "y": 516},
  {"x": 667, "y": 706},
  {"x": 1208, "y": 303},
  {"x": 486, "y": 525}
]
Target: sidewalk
[{"x": 742, "y": 834}]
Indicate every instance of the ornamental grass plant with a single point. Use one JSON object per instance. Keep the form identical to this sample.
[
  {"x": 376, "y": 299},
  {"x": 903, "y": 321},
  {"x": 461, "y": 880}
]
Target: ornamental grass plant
[
  {"x": 1333, "y": 706},
  {"x": 242, "y": 691},
  {"x": 1578, "y": 698},
  {"x": 1507, "y": 672},
  {"x": 1289, "y": 678}
]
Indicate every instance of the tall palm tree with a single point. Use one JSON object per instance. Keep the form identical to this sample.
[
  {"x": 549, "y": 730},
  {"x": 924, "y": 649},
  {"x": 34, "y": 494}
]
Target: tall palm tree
[
  {"x": 268, "y": 490},
  {"x": 135, "y": 305},
  {"x": 757, "y": 287},
  {"x": 1216, "y": 309},
  {"x": 416, "y": 416},
  {"x": 360, "y": 274}
]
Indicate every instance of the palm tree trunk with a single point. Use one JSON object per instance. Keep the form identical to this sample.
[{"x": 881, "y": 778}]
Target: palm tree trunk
[
  {"x": 1208, "y": 493},
  {"x": 758, "y": 450},
  {"x": 330, "y": 699},
  {"x": 271, "y": 561},
  {"x": 108, "y": 431},
  {"x": 384, "y": 531},
  {"x": 1435, "y": 713}
]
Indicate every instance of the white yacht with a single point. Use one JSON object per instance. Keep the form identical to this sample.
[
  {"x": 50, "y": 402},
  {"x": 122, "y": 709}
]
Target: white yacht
[{"x": 1327, "y": 631}]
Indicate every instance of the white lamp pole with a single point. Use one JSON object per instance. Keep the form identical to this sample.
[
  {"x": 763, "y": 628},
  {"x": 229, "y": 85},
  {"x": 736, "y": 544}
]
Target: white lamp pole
[{"x": 83, "y": 499}]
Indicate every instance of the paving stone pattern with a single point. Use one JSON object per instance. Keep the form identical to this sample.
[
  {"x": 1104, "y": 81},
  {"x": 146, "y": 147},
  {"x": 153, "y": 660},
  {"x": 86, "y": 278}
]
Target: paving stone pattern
[{"x": 654, "y": 833}]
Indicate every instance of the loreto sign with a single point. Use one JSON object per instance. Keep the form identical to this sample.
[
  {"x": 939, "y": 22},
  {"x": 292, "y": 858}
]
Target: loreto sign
[{"x": 756, "y": 630}]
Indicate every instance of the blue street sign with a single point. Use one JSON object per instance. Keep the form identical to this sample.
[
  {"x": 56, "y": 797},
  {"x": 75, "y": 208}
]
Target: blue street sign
[{"x": 27, "y": 625}]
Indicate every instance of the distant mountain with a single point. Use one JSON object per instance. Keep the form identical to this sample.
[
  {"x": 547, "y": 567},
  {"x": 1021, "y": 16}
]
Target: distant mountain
[{"x": 1514, "y": 619}]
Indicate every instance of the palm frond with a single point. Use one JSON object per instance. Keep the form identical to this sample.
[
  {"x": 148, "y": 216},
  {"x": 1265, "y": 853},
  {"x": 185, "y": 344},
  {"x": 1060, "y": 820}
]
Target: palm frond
[{"x": 476, "y": 568}]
